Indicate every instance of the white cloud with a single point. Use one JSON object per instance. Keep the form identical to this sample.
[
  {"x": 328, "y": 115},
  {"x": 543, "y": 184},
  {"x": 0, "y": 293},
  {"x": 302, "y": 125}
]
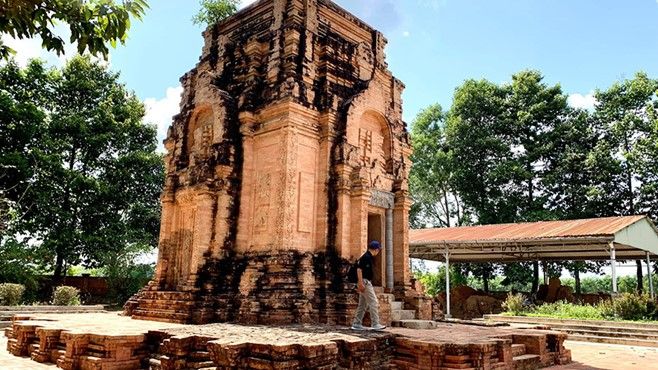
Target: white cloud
[
  {"x": 582, "y": 101},
  {"x": 160, "y": 111},
  {"x": 27, "y": 49},
  {"x": 244, "y": 3},
  {"x": 407, "y": 33}
]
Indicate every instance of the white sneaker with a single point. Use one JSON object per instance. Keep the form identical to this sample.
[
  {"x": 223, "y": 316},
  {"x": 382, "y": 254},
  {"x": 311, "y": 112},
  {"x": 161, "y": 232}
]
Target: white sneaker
[
  {"x": 378, "y": 327},
  {"x": 358, "y": 327}
]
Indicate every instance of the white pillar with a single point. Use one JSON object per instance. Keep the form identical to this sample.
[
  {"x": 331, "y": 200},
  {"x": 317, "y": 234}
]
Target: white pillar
[
  {"x": 389, "y": 249},
  {"x": 613, "y": 261},
  {"x": 447, "y": 257},
  {"x": 649, "y": 272}
]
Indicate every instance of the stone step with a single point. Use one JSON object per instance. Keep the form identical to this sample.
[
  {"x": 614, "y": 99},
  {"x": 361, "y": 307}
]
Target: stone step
[
  {"x": 415, "y": 324},
  {"x": 605, "y": 333},
  {"x": 397, "y": 305},
  {"x": 572, "y": 322},
  {"x": 613, "y": 340},
  {"x": 397, "y": 315},
  {"x": 518, "y": 349},
  {"x": 525, "y": 362}
]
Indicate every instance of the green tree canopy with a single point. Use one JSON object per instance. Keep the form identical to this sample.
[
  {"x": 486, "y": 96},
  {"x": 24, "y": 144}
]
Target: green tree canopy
[
  {"x": 92, "y": 23},
  {"x": 84, "y": 164},
  {"x": 213, "y": 11}
]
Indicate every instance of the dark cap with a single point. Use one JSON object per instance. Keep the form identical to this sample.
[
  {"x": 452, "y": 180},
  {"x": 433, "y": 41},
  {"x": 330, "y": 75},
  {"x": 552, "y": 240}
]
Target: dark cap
[{"x": 374, "y": 245}]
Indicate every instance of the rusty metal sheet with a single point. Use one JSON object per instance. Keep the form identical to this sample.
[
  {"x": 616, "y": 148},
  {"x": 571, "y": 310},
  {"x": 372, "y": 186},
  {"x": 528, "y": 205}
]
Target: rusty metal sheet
[{"x": 593, "y": 227}]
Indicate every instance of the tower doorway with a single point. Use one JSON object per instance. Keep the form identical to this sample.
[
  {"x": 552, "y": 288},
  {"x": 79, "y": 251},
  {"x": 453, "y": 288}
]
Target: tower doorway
[{"x": 376, "y": 232}]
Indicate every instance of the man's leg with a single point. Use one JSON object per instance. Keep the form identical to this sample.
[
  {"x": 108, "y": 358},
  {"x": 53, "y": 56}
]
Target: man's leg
[
  {"x": 360, "y": 310},
  {"x": 373, "y": 303}
]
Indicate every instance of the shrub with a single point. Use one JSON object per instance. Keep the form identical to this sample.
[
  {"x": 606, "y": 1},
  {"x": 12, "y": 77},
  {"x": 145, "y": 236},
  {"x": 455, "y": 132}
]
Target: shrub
[
  {"x": 514, "y": 303},
  {"x": 66, "y": 296},
  {"x": 11, "y": 294},
  {"x": 566, "y": 310},
  {"x": 628, "y": 306}
]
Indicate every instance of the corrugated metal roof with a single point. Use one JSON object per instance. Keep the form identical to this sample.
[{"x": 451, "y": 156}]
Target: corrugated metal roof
[{"x": 593, "y": 227}]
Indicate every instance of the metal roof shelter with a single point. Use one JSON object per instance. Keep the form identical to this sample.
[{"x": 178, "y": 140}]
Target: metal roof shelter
[{"x": 608, "y": 238}]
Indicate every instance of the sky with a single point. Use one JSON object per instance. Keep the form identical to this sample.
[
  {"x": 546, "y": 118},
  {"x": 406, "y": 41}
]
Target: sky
[{"x": 433, "y": 46}]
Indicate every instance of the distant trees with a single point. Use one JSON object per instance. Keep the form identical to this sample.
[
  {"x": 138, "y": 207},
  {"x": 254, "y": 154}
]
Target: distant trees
[
  {"x": 517, "y": 152},
  {"x": 79, "y": 166},
  {"x": 92, "y": 23}
]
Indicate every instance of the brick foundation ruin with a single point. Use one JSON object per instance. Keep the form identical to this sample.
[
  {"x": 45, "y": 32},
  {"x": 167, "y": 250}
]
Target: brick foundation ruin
[
  {"x": 103, "y": 342},
  {"x": 289, "y": 154}
]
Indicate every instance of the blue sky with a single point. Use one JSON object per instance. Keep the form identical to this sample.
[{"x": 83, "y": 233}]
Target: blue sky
[{"x": 434, "y": 45}]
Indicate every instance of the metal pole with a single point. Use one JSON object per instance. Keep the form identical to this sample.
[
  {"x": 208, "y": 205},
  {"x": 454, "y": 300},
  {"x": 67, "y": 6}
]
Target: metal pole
[
  {"x": 389, "y": 249},
  {"x": 614, "y": 267},
  {"x": 447, "y": 256},
  {"x": 650, "y": 276}
]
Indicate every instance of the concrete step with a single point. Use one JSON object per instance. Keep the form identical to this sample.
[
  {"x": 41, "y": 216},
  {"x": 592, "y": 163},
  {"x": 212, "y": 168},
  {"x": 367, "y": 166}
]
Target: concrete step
[
  {"x": 572, "y": 322},
  {"x": 415, "y": 324},
  {"x": 613, "y": 340},
  {"x": 397, "y": 315},
  {"x": 605, "y": 333},
  {"x": 525, "y": 362},
  {"x": 396, "y": 305},
  {"x": 518, "y": 349}
]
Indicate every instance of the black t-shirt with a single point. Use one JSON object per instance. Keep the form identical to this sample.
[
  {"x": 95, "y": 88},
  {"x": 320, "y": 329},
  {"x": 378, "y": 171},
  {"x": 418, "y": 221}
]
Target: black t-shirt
[{"x": 366, "y": 264}]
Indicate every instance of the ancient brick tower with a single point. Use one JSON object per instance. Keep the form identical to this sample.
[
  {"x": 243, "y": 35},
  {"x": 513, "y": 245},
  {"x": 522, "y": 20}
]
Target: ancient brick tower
[{"x": 288, "y": 155}]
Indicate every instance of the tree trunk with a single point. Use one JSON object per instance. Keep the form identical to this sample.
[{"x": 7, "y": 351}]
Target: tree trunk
[
  {"x": 640, "y": 283},
  {"x": 535, "y": 277},
  {"x": 576, "y": 277},
  {"x": 59, "y": 267},
  {"x": 447, "y": 205}
]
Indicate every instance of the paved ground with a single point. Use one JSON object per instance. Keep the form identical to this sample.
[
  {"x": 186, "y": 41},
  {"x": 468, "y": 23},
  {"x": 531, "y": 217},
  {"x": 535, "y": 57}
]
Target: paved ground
[
  {"x": 8, "y": 361},
  {"x": 593, "y": 356}
]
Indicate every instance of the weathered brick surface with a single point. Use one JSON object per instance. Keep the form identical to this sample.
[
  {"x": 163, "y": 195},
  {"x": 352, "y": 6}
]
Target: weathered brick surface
[
  {"x": 287, "y": 151},
  {"x": 107, "y": 341}
]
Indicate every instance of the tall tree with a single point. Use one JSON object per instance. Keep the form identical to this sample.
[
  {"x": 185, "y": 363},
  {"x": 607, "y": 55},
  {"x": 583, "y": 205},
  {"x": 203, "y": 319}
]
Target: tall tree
[
  {"x": 436, "y": 203},
  {"x": 92, "y": 23},
  {"x": 94, "y": 176},
  {"x": 626, "y": 110},
  {"x": 498, "y": 134},
  {"x": 213, "y": 11}
]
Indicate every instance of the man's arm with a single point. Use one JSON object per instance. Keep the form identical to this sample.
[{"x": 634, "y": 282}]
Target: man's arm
[{"x": 359, "y": 275}]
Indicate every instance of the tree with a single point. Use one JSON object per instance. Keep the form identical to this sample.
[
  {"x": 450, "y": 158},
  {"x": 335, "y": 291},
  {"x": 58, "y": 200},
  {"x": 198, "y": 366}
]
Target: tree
[
  {"x": 626, "y": 110},
  {"x": 94, "y": 177},
  {"x": 435, "y": 203},
  {"x": 213, "y": 11},
  {"x": 498, "y": 135},
  {"x": 92, "y": 23}
]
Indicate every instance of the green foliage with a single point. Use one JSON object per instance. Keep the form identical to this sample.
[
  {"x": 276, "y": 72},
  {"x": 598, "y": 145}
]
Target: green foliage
[
  {"x": 85, "y": 174},
  {"x": 93, "y": 23},
  {"x": 513, "y": 304},
  {"x": 629, "y": 306},
  {"x": 435, "y": 282},
  {"x": 125, "y": 278},
  {"x": 11, "y": 294},
  {"x": 213, "y": 11},
  {"x": 66, "y": 296},
  {"x": 564, "y": 310}
]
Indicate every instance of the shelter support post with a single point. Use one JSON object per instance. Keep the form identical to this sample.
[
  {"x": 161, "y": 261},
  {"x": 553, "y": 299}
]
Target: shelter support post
[
  {"x": 447, "y": 257},
  {"x": 649, "y": 272},
  {"x": 613, "y": 265},
  {"x": 389, "y": 249}
]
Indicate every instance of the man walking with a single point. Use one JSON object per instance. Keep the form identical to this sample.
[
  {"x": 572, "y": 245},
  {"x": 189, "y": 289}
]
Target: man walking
[{"x": 367, "y": 296}]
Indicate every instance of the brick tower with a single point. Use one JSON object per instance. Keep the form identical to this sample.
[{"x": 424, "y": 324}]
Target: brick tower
[{"x": 288, "y": 155}]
